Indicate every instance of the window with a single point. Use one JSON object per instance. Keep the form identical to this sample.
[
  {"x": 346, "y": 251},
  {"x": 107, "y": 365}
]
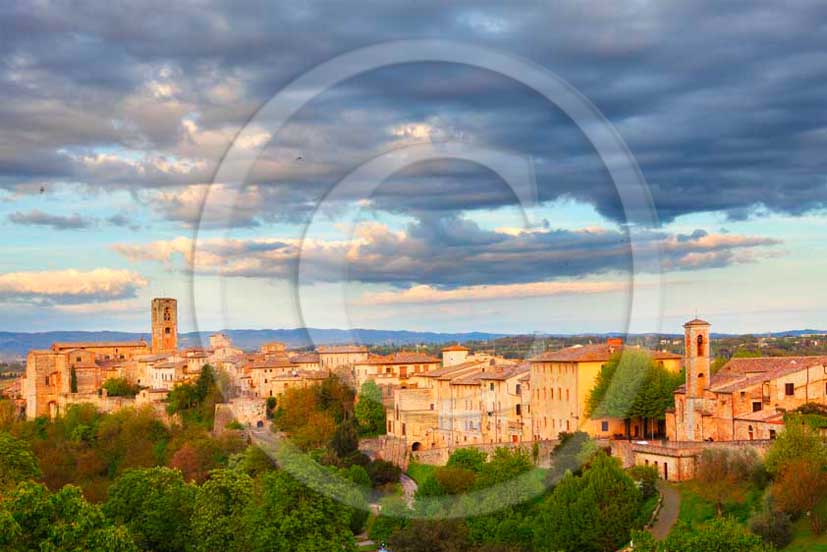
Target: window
[
  {"x": 756, "y": 406},
  {"x": 490, "y": 386},
  {"x": 604, "y": 426},
  {"x": 518, "y": 410},
  {"x": 517, "y": 389},
  {"x": 432, "y": 406},
  {"x": 772, "y": 434},
  {"x": 789, "y": 389},
  {"x": 77, "y": 359},
  {"x": 167, "y": 330},
  {"x": 700, "y": 345},
  {"x": 167, "y": 315}
]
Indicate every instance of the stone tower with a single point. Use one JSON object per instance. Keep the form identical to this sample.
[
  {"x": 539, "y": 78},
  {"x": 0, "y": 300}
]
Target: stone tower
[
  {"x": 164, "y": 325},
  {"x": 697, "y": 364}
]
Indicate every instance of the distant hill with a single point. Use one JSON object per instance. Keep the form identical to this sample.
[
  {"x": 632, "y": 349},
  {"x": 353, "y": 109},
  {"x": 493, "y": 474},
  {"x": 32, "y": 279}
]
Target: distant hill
[{"x": 17, "y": 344}]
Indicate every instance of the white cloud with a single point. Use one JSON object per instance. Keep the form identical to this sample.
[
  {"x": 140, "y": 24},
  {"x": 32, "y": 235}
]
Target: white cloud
[{"x": 70, "y": 286}]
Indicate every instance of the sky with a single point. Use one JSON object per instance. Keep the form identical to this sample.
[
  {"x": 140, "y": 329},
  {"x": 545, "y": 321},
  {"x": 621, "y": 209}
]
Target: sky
[{"x": 276, "y": 165}]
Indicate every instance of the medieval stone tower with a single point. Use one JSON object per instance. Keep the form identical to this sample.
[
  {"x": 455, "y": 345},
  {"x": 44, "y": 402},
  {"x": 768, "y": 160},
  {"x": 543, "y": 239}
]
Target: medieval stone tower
[
  {"x": 164, "y": 325},
  {"x": 696, "y": 358}
]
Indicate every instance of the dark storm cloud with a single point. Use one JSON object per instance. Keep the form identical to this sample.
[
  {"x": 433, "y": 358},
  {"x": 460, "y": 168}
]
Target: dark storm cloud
[
  {"x": 722, "y": 104},
  {"x": 450, "y": 251},
  {"x": 56, "y": 222}
]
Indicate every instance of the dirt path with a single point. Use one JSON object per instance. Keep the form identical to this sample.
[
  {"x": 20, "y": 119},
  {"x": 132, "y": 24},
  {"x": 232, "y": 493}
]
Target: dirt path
[
  {"x": 409, "y": 487},
  {"x": 668, "y": 512}
]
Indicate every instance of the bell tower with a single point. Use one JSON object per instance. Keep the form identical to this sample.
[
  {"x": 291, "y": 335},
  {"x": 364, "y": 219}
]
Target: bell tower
[
  {"x": 164, "y": 325},
  {"x": 696, "y": 357},
  {"x": 696, "y": 360}
]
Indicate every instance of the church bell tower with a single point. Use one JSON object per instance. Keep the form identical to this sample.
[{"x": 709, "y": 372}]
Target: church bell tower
[
  {"x": 697, "y": 364},
  {"x": 164, "y": 325}
]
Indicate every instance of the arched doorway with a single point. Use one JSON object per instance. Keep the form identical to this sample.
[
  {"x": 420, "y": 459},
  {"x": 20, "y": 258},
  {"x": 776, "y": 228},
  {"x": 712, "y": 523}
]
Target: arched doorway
[
  {"x": 259, "y": 424},
  {"x": 416, "y": 446}
]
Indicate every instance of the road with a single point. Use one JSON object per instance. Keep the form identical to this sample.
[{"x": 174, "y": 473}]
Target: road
[
  {"x": 668, "y": 512},
  {"x": 409, "y": 487}
]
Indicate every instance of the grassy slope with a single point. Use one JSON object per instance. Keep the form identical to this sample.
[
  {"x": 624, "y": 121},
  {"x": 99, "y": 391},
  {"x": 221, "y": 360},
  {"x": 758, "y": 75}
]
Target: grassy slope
[{"x": 695, "y": 509}]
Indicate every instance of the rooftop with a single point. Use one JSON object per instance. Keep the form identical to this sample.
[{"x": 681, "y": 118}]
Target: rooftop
[
  {"x": 402, "y": 357},
  {"x": 597, "y": 352},
  {"x": 89, "y": 344},
  {"x": 456, "y": 347},
  {"x": 341, "y": 349}
]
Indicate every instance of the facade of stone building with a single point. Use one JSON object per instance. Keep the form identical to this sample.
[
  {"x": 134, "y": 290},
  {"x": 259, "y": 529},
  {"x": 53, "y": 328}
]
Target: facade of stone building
[
  {"x": 475, "y": 402},
  {"x": 746, "y": 399},
  {"x": 72, "y": 368},
  {"x": 332, "y": 357},
  {"x": 562, "y": 380},
  {"x": 394, "y": 370}
]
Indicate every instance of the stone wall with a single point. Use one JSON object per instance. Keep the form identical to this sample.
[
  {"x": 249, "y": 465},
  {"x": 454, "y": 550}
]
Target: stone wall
[{"x": 439, "y": 456}]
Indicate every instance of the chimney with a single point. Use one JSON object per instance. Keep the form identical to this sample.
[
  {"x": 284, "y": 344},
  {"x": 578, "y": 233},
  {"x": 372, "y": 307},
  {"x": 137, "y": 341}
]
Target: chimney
[{"x": 614, "y": 343}]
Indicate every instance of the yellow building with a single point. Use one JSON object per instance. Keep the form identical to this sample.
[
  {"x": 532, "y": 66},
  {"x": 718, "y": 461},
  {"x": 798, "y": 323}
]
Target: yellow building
[{"x": 561, "y": 382}]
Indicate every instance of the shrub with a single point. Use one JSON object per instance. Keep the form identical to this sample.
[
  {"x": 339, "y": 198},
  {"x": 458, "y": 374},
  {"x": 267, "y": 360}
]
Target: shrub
[
  {"x": 773, "y": 527},
  {"x": 645, "y": 477},
  {"x": 382, "y": 471}
]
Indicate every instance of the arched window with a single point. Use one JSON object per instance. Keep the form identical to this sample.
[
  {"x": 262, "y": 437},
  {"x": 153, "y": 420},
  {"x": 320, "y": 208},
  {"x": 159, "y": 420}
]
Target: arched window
[
  {"x": 700, "y": 345},
  {"x": 167, "y": 316}
]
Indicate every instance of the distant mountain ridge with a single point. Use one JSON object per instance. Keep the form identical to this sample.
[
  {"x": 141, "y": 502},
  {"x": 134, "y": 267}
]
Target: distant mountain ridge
[{"x": 17, "y": 344}]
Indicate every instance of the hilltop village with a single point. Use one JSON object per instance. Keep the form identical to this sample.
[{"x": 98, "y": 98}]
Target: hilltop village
[{"x": 435, "y": 405}]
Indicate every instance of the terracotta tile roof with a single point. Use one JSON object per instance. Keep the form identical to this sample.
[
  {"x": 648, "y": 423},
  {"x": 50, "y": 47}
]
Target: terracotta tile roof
[
  {"x": 769, "y": 364},
  {"x": 402, "y": 357},
  {"x": 741, "y": 373},
  {"x": 447, "y": 372},
  {"x": 597, "y": 352},
  {"x": 454, "y": 348},
  {"x": 89, "y": 344},
  {"x": 772, "y": 416},
  {"x": 506, "y": 372},
  {"x": 273, "y": 362},
  {"x": 469, "y": 379},
  {"x": 151, "y": 358},
  {"x": 697, "y": 322},
  {"x": 306, "y": 358},
  {"x": 167, "y": 365}
]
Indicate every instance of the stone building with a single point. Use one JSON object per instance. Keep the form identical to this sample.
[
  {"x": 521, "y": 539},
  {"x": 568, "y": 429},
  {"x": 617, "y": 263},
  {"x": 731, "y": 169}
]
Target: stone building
[
  {"x": 332, "y": 357},
  {"x": 742, "y": 404},
  {"x": 478, "y": 401},
  {"x": 392, "y": 371},
  {"x": 67, "y": 369},
  {"x": 746, "y": 399},
  {"x": 561, "y": 382}
]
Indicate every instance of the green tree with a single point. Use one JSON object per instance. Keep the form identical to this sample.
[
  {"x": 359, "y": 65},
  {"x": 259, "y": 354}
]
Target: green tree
[
  {"x": 370, "y": 411},
  {"x": 431, "y": 536},
  {"x": 219, "y": 510},
  {"x": 155, "y": 504},
  {"x": 17, "y": 462},
  {"x": 73, "y": 380},
  {"x": 468, "y": 458},
  {"x": 720, "y": 534},
  {"x": 31, "y": 518},
  {"x": 632, "y": 385},
  {"x": 392, "y": 516},
  {"x": 798, "y": 441},
  {"x": 724, "y": 474},
  {"x": 345, "y": 440},
  {"x": 594, "y": 512},
  {"x": 286, "y": 515},
  {"x": 120, "y": 387}
]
